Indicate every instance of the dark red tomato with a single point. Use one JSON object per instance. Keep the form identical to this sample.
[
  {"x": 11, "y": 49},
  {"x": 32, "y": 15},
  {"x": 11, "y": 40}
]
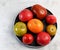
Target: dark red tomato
[
  {"x": 43, "y": 38},
  {"x": 27, "y": 39},
  {"x": 51, "y": 19},
  {"x": 40, "y": 11},
  {"x": 25, "y": 15}
]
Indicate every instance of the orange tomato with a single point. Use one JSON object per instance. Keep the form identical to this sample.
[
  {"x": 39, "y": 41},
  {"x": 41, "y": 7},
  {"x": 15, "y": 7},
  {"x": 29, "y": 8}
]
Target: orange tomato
[{"x": 35, "y": 26}]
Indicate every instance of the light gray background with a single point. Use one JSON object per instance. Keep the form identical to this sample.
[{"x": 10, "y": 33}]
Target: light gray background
[{"x": 8, "y": 12}]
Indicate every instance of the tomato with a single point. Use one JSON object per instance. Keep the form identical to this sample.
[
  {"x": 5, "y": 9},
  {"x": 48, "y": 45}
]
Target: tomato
[
  {"x": 40, "y": 11},
  {"x": 35, "y": 26},
  {"x": 25, "y": 15},
  {"x": 20, "y": 28},
  {"x": 27, "y": 38},
  {"x": 51, "y": 19},
  {"x": 51, "y": 29},
  {"x": 43, "y": 38}
]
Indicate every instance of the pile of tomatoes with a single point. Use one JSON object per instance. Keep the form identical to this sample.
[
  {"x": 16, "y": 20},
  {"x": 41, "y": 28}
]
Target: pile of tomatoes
[{"x": 35, "y": 24}]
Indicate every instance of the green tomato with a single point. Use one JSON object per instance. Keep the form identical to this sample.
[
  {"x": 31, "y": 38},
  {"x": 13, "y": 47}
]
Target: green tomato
[{"x": 20, "y": 28}]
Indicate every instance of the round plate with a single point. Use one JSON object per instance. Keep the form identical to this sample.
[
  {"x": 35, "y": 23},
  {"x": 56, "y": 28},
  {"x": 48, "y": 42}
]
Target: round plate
[{"x": 45, "y": 24}]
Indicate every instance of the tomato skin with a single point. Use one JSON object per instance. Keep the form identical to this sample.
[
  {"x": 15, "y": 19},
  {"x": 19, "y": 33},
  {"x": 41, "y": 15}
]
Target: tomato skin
[
  {"x": 35, "y": 25},
  {"x": 40, "y": 11},
  {"x": 43, "y": 38},
  {"x": 51, "y": 19},
  {"x": 20, "y": 28},
  {"x": 27, "y": 39},
  {"x": 51, "y": 29},
  {"x": 25, "y": 15}
]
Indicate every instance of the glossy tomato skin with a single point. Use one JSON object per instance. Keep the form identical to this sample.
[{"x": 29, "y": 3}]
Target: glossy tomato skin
[
  {"x": 25, "y": 15},
  {"x": 27, "y": 39},
  {"x": 40, "y": 11},
  {"x": 35, "y": 25},
  {"x": 51, "y": 29},
  {"x": 43, "y": 38},
  {"x": 20, "y": 28},
  {"x": 51, "y": 19}
]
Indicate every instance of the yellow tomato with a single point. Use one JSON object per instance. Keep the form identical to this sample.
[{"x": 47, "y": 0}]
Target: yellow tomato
[{"x": 51, "y": 29}]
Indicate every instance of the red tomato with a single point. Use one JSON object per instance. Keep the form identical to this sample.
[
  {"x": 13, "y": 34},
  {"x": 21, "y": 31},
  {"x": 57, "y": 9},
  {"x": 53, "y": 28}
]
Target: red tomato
[
  {"x": 43, "y": 38},
  {"x": 51, "y": 19},
  {"x": 25, "y": 15},
  {"x": 27, "y": 39},
  {"x": 40, "y": 11}
]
